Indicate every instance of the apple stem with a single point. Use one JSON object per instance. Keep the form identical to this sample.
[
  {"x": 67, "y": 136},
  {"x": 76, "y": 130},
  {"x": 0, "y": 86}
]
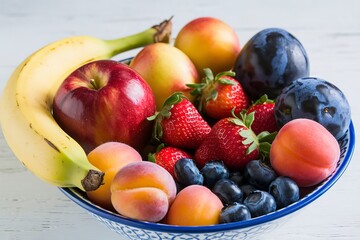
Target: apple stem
[
  {"x": 157, "y": 33},
  {"x": 93, "y": 84}
]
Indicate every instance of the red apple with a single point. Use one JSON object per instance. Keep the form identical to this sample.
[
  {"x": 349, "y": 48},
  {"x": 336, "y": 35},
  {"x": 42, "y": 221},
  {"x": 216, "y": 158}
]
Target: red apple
[
  {"x": 209, "y": 43},
  {"x": 105, "y": 101}
]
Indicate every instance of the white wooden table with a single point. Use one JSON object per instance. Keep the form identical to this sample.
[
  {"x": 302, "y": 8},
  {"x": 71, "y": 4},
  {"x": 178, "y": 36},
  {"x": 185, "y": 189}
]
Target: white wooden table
[{"x": 329, "y": 30}]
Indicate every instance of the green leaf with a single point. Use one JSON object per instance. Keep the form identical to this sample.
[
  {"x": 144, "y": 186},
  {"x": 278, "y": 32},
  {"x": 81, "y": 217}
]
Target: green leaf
[
  {"x": 233, "y": 112},
  {"x": 195, "y": 85},
  {"x": 263, "y": 134},
  {"x": 158, "y": 131},
  {"x": 197, "y": 88},
  {"x": 159, "y": 147},
  {"x": 151, "y": 157},
  {"x": 248, "y": 119},
  {"x": 196, "y": 91},
  {"x": 174, "y": 98},
  {"x": 169, "y": 104},
  {"x": 153, "y": 117},
  {"x": 266, "y": 136},
  {"x": 237, "y": 122},
  {"x": 265, "y": 149},
  {"x": 208, "y": 74},
  {"x": 263, "y": 99},
  {"x": 213, "y": 95},
  {"x": 223, "y": 74},
  {"x": 225, "y": 81},
  {"x": 248, "y": 135},
  {"x": 252, "y": 148}
]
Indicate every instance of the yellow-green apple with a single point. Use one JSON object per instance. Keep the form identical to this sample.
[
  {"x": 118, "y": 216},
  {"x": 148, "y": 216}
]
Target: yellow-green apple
[
  {"x": 104, "y": 101},
  {"x": 166, "y": 69},
  {"x": 209, "y": 43}
]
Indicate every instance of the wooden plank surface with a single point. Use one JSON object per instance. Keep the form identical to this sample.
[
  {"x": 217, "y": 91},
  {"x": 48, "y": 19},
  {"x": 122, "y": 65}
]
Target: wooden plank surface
[{"x": 329, "y": 30}]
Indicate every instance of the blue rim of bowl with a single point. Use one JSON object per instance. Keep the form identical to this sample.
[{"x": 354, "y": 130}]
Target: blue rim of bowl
[{"x": 79, "y": 198}]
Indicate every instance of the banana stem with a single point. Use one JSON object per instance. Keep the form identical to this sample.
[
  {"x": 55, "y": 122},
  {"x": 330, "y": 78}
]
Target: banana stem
[
  {"x": 157, "y": 33},
  {"x": 93, "y": 180}
]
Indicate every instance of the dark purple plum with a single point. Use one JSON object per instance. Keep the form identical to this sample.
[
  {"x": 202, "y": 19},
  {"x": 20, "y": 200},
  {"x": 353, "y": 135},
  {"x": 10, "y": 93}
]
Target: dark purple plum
[
  {"x": 315, "y": 99},
  {"x": 269, "y": 61}
]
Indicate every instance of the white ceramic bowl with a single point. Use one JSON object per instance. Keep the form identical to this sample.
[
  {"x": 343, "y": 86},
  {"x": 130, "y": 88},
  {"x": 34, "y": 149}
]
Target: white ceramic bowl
[{"x": 133, "y": 229}]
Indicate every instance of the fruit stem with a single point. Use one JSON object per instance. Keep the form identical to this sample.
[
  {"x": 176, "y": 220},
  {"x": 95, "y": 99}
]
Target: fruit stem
[
  {"x": 93, "y": 180},
  {"x": 93, "y": 83},
  {"x": 157, "y": 33}
]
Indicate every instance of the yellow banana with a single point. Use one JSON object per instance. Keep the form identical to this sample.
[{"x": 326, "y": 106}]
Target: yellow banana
[{"x": 26, "y": 103}]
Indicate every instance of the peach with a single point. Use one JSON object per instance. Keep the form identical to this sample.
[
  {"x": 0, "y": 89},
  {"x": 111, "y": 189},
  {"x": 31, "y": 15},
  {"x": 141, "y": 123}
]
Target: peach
[
  {"x": 143, "y": 191},
  {"x": 195, "y": 205},
  {"x": 209, "y": 43},
  {"x": 305, "y": 151},
  {"x": 166, "y": 69},
  {"x": 110, "y": 157}
]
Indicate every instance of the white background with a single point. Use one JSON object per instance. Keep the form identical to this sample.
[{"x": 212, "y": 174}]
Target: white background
[{"x": 329, "y": 31}]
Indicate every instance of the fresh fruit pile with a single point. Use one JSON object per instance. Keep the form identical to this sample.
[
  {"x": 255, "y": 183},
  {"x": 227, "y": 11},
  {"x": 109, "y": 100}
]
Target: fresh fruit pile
[{"x": 200, "y": 132}]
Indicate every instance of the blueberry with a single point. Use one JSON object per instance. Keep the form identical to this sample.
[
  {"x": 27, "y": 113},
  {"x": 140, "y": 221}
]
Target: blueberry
[
  {"x": 214, "y": 171},
  {"x": 234, "y": 212},
  {"x": 259, "y": 174},
  {"x": 187, "y": 173},
  {"x": 227, "y": 191},
  {"x": 315, "y": 99},
  {"x": 260, "y": 203},
  {"x": 237, "y": 177},
  {"x": 285, "y": 191},
  {"x": 269, "y": 61},
  {"x": 179, "y": 186},
  {"x": 247, "y": 189}
]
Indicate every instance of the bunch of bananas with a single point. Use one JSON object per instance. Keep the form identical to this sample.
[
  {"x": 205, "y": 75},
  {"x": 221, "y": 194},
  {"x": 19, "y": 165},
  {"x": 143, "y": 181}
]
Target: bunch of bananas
[{"x": 26, "y": 106}]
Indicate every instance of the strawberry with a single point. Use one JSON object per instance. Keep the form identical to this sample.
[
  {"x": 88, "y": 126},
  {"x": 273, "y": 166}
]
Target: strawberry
[
  {"x": 179, "y": 124},
  {"x": 232, "y": 141},
  {"x": 167, "y": 156},
  {"x": 264, "y": 118},
  {"x": 218, "y": 95}
]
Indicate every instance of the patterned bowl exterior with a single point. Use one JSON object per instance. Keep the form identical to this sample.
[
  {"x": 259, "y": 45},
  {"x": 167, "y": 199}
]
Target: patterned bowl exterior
[{"x": 139, "y": 230}]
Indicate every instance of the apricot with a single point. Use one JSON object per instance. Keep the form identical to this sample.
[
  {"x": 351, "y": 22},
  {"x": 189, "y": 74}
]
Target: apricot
[
  {"x": 143, "y": 191},
  {"x": 110, "y": 157},
  {"x": 305, "y": 151},
  {"x": 209, "y": 43},
  {"x": 195, "y": 205}
]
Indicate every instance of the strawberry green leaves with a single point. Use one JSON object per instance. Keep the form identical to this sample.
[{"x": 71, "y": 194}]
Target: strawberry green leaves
[
  {"x": 165, "y": 112},
  {"x": 217, "y": 95},
  {"x": 262, "y": 141},
  {"x": 179, "y": 123}
]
